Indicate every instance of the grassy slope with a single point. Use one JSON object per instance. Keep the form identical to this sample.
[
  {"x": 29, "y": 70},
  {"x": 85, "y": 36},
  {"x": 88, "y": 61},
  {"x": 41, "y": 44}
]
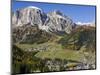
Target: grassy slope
[
  {"x": 61, "y": 54},
  {"x": 56, "y": 50}
]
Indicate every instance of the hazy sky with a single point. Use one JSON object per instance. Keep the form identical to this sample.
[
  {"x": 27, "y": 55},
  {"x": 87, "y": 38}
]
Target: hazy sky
[{"x": 78, "y": 13}]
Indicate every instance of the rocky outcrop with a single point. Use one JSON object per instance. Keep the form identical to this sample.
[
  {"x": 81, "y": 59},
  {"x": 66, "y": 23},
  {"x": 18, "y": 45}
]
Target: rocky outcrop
[
  {"x": 28, "y": 15},
  {"x": 52, "y": 22},
  {"x": 31, "y": 34},
  {"x": 58, "y": 22}
]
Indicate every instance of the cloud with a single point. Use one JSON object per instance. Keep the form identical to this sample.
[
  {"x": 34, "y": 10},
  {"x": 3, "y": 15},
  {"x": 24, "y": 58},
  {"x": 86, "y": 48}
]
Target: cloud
[
  {"x": 83, "y": 23},
  {"x": 86, "y": 23}
]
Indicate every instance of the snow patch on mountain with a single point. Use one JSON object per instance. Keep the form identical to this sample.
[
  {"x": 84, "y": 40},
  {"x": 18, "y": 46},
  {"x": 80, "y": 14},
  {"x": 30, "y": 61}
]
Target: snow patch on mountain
[{"x": 33, "y": 7}]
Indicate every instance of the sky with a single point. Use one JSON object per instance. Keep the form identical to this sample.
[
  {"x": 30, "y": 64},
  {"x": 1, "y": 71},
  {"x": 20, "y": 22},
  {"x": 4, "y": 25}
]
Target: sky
[{"x": 78, "y": 13}]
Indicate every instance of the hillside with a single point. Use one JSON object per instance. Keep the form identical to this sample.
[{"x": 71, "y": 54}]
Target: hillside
[
  {"x": 81, "y": 38},
  {"x": 31, "y": 34},
  {"x": 48, "y": 42}
]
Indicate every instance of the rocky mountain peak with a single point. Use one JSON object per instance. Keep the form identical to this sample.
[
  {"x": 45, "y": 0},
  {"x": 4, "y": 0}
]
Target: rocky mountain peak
[
  {"x": 58, "y": 22},
  {"x": 29, "y": 15},
  {"x": 51, "y": 22},
  {"x": 57, "y": 12}
]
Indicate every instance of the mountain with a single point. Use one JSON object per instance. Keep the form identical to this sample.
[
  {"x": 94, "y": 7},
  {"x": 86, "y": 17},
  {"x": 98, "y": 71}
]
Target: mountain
[
  {"x": 29, "y": 15},
  {"x": 59, "y": 22},
  {"x": 51, "y": 22},
  {"x": 47, "y": 42},
  {"x": 31, "y": 34},
  {"x": 32, "y": 25},
  {"x": 81, "y": 38}
]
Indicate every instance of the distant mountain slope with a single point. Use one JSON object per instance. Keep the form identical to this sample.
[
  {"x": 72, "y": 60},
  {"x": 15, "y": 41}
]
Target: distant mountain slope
[
  {"x": 81, "y": 38},
  {"x": 31, "y": 34}
]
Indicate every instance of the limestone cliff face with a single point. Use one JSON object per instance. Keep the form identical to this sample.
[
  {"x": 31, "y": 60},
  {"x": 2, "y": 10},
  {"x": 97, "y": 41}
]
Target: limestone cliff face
[
  {"x": 52, "y": 22},
  {"x": 28, "y": 15},
  {"x": 59, "y": 22}
]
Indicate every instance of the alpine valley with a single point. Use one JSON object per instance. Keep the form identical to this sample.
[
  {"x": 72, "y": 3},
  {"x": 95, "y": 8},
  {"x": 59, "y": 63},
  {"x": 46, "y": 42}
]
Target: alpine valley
[{"x": 48, "y": 42}]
